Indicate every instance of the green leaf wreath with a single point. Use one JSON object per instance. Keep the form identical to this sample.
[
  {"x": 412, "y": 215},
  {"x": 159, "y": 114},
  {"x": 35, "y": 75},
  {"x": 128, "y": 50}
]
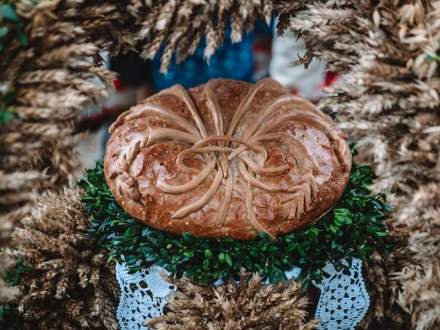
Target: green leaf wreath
[{"x": 354, "y": 228}]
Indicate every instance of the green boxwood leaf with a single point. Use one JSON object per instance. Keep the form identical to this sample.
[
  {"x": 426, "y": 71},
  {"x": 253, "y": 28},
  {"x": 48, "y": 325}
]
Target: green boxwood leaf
[
  {"x": 5, "y": 117},
  {"x": 3, "y": 31},
  {"x": 7, "y": 11},
  {"x": 221, "y": 257},
  {"x": 228, "y": 259},
  {"x": 22, "y": 38},
  {"x": 208, "y": 253}
]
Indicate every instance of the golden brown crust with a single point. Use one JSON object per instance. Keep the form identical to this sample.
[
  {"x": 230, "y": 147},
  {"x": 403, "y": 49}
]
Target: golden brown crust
[{"x": 226, "y": 159}]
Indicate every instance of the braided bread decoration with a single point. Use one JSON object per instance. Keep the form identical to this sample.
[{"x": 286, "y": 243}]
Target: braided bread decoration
[{"x": 226, "y": 159}]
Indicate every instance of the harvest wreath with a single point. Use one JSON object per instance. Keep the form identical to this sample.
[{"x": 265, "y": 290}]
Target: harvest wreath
[
  {"x": 386, "y": 50},
  {"x": 156, "y": 141}
]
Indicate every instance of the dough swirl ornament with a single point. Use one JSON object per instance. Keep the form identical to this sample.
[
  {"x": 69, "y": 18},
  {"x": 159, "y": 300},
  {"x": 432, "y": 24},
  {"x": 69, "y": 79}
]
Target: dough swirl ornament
[{"x": 226, "y": 159}]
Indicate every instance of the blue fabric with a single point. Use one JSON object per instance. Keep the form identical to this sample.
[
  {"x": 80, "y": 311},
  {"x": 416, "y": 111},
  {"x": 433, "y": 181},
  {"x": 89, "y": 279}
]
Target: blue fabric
[{"x": 234, "y": 61}]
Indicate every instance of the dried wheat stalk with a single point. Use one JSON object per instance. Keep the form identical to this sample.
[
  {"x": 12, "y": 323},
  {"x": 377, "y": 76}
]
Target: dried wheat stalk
[
  {"x": 249, "y": 304},
  {"x": 70, "y": 285}
]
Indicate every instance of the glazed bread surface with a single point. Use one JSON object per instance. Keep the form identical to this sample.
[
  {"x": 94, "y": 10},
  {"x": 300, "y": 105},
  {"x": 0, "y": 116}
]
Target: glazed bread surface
[{"x": 226, "y": 159}]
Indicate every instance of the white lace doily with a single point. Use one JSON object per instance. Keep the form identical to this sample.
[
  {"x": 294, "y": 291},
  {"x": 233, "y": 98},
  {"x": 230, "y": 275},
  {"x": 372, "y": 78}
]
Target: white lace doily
[
  {"x": 143, "y": 296},
  {"x": 342, "y": 304},
  {"x": 344, "y": 299}
]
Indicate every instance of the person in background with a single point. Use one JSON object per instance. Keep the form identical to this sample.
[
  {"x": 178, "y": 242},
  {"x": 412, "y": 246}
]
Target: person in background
[{"x": 234, "y": 61}]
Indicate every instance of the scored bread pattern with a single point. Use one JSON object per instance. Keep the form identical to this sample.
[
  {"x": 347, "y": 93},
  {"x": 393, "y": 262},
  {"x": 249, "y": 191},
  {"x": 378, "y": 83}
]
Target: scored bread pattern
[{"x": 228, "y": 150}]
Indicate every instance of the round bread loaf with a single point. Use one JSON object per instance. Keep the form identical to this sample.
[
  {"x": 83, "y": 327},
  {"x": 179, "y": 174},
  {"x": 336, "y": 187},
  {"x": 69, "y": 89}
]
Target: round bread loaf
[{"x": 226, "y": 159}]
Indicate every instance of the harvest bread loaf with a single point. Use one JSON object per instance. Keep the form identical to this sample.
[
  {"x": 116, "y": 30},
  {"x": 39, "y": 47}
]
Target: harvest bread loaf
[{"x": 226, "y": 159}]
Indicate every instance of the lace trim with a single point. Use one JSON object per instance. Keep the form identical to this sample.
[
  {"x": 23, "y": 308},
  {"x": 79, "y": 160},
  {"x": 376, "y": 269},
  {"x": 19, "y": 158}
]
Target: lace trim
[
  {"x": 343, "y": 302},
  {"x": 143, "y": 296}
]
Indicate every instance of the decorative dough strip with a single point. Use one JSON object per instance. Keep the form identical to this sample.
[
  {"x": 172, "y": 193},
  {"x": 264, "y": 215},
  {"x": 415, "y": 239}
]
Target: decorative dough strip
[
  {"x": 198, "y": 179},
  {"x": 159, "y": 134},
  {"x": 184, "y": 211},
  {"x": 176, "y": 119},
  {"x": 183, "y": 94},
  {"x": 250, "y": 213},
  {"x": 223, "y": 211},
  {"x": 245, "y": 103},
  {"x": 314, "y": 121},
  {"x": 217, "y": 117},
  {"x": 265, "y": 186},
  {"x": 300, "y": 202}
]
